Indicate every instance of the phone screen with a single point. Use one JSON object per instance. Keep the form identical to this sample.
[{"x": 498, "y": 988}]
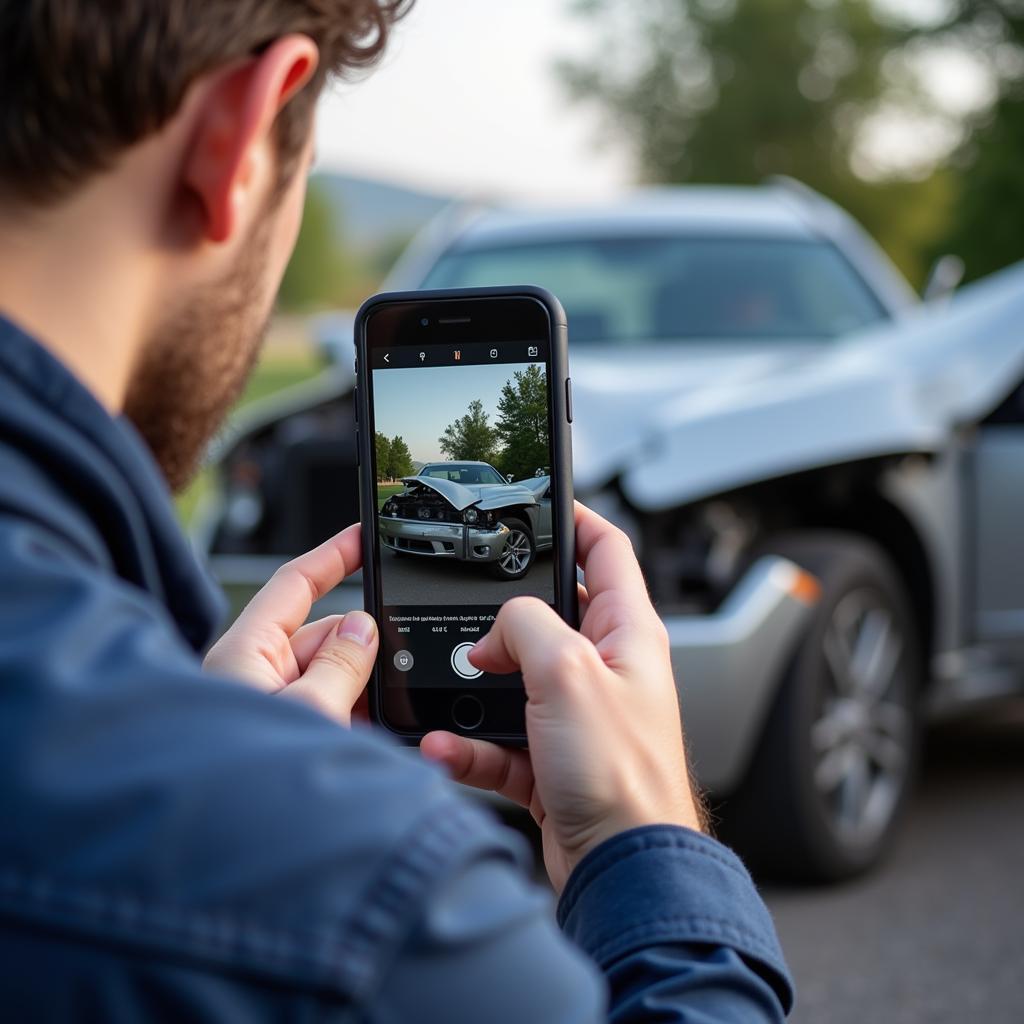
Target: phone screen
[{"x": 464, "y": 518}]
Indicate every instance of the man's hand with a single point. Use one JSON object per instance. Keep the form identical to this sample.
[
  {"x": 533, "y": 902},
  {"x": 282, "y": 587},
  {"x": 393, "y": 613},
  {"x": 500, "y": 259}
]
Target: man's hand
[
  {"x": 325, "y": 663},
  {"x": 606, "y": 746}
]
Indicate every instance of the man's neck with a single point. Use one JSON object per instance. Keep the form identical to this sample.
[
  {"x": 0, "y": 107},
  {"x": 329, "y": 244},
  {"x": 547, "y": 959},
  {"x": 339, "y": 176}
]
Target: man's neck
[{"x": 67, "y": 276}]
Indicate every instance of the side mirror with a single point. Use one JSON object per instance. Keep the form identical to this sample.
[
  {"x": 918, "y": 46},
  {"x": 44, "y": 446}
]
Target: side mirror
[
  {"x": 943, "y": 279},
  {"x": 510, "y": 477}
]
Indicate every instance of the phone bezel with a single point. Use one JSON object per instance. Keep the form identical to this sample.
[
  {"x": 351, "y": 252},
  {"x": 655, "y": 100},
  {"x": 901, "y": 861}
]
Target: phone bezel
[{"x": 495, "y": 314}]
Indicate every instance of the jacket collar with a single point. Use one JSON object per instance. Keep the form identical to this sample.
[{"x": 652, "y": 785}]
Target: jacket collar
[{"x": 104, "y": 465}]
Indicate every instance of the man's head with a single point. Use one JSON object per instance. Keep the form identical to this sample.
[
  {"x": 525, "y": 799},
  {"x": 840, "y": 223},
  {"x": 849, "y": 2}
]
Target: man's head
[{"x": 170, "y": 139}]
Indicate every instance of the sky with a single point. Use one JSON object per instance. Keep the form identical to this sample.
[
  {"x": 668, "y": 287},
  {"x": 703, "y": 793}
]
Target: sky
[
  {"x": 466, "y": 102},
  {"x": 418, "y": 403}
]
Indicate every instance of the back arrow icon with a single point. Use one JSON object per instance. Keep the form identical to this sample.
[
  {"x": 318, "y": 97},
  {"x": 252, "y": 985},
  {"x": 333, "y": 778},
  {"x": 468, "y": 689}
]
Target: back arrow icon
[{"x": 387, "y": 357}]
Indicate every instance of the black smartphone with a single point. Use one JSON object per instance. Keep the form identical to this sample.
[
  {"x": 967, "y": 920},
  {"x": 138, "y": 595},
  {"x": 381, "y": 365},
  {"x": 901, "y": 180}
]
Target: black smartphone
[{"x": 463, "y": 409}]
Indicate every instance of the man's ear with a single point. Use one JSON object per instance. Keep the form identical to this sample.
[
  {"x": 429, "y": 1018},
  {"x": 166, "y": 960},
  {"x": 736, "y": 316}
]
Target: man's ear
[{"x": 232, "y": 133}]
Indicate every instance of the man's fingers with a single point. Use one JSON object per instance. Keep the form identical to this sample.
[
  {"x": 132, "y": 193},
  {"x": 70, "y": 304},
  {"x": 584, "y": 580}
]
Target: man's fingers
[
  {"x": 606, "y": 555},
  {"x": 286, "y": 600},
  {"x": 584, "y": 598},
  {"x": 482, "y": 765},
  {"x": 306, "y": 641},
  {"x": 528, "y": 635},
  {"x": 337, "y": 673}
]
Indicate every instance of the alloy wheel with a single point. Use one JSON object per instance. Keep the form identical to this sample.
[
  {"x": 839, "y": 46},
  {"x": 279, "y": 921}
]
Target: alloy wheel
[
  {"x": 862, "y": 734},
  {"x": 515, "y": 559}
]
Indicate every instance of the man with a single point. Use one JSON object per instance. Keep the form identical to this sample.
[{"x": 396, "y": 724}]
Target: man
[{"x": 179, "y": 845}]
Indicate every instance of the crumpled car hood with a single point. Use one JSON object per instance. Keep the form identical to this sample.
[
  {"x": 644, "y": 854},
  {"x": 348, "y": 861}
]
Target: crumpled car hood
[
  {"x": 483, "y": 496},
  {"x": 689, "y": 423}
]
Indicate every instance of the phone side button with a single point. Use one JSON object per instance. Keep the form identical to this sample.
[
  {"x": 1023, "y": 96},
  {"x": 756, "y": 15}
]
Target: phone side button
[
  {"x": 568, "y": 399},
  {"x": 467, "y": 712}
]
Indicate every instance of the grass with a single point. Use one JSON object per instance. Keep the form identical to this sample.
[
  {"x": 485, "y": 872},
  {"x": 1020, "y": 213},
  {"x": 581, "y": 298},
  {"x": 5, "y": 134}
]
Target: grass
[
  {"x": 384, "y": 491},
  {"x": 279, "y": 368}
]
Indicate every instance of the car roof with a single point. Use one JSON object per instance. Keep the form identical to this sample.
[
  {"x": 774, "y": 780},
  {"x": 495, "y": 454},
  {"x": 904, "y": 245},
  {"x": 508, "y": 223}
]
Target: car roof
[
  {"x": 458, "y": 462},
  {"x": 692, "y": 209}
]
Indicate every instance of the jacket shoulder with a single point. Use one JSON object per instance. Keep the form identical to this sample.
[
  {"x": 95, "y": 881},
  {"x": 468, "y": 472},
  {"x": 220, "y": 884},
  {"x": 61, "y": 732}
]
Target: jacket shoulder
[
  {"x": 173, "y": 811},
  {"x": 30, "y": 494}
]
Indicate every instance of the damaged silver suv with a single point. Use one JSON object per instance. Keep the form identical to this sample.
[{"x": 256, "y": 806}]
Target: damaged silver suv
[{"x": 468, "y": 511}]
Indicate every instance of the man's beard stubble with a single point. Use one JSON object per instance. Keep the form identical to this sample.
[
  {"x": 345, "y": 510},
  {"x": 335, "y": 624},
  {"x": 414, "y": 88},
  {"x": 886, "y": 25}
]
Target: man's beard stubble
[{"x": 196, "y": 364}]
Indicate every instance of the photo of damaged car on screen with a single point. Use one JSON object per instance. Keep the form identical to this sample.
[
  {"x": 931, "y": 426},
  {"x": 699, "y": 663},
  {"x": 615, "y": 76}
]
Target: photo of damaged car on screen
[{"x": 469, "y": 512}]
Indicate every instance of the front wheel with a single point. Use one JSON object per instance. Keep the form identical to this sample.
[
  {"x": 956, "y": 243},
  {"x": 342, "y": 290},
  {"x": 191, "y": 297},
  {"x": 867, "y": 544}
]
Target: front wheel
[
  {"x": 518, "y": 554},
  {"x": 836, "y": 761}
]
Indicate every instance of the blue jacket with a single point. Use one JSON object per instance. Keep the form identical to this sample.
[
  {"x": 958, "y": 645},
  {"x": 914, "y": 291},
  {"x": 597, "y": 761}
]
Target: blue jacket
[{"x": 181, "y": 847}]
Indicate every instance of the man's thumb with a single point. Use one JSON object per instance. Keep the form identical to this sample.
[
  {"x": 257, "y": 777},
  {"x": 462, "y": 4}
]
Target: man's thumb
[{"x": 337, "y": 673}]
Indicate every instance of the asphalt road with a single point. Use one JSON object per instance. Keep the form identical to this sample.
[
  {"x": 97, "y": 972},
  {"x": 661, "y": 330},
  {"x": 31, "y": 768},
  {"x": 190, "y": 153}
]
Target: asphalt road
[
  {"x": 408, "y": 579},
  {"x": 936, "y": 936}
]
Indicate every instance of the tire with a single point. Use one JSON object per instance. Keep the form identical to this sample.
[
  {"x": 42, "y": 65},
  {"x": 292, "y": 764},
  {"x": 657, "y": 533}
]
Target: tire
[
  {"x": 519, "y": 552},
  {"x": 839, "y": 753}
]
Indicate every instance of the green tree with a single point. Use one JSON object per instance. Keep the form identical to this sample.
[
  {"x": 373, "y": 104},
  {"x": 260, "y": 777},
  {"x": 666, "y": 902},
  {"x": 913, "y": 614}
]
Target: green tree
[
  {"x": 470, "y": 436},
  {"x": 522, "y": 424},
  {"x": 318, "y": 271},
  {"x": 400, "y": 462},
  {"x": 394, "y": 459},
  {"x": 987, "y": 224},
  {"x": 382, "y": 453},
  {"x": 734, "y": 91}
]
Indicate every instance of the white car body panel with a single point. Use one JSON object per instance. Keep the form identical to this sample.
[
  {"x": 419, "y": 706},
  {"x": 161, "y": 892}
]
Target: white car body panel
[
  {"x": 678, "y": 434},
  {"x": 482, "y": 496}
]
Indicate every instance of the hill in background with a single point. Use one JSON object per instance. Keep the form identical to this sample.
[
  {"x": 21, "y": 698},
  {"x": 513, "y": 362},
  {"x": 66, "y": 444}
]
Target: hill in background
[{"x": 371, "y": 215}]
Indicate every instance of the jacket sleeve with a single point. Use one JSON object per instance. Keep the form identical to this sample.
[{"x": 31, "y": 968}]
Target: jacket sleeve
[
  {"x": 673, "y": 920},
  {"x": 257, "y": 840},
  {"x": 670, "y": 918}
]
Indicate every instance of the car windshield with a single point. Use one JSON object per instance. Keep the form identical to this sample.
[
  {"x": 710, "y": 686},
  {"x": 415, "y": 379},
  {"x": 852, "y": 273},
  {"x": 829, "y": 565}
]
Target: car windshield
[
  {"x": 672, "y": 288},
  {"x": 463, "y": 473}
]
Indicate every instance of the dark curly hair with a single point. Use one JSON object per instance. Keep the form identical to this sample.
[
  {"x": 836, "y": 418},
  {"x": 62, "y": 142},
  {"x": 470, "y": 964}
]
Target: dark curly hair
[{"x": 82, "y": 80}]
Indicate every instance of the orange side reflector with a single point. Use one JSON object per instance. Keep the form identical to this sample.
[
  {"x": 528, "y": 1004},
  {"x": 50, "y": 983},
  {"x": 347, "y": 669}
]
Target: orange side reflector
[{"x": 805, "y": 587}]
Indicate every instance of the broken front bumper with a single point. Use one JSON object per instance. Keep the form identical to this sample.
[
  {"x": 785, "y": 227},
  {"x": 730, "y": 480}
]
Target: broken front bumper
[
  {"x": 443, "y": 540},
  {"x": 729, "y": 665}
]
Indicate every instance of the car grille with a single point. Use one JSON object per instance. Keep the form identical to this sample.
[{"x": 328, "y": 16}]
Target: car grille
[{"x": 435, "y": 510}]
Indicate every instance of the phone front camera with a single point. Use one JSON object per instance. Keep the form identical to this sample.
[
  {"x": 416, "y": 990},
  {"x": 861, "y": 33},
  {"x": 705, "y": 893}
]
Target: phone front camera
[{"x": 424, "y": 322}]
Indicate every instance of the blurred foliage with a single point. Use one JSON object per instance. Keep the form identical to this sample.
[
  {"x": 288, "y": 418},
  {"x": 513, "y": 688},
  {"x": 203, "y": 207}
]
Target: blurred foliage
[
  {"x": 325, "y": 271},
  {"x": 733, "y": 91},
  {"x": 319, "y": 269},
  {"x": 717, "y": 91},
  {"x": 986, "y": 227}
]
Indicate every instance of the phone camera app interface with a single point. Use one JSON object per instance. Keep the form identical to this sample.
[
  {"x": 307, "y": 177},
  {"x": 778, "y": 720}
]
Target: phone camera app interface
[{"x": 462, "y": 457}]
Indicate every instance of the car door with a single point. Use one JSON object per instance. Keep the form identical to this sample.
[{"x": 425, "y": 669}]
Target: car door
[{"x": 998, "y": 500}]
